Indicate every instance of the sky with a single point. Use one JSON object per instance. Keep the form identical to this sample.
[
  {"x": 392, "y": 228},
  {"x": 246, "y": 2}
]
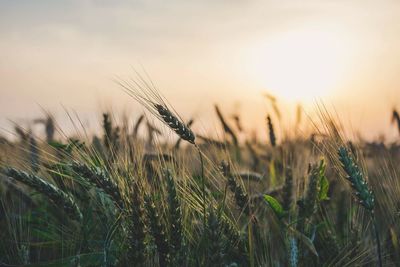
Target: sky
[{"x": 66, "y": 55}]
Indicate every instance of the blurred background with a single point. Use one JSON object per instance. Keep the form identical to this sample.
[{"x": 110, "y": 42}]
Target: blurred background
[{"x": 58, "y": 55}]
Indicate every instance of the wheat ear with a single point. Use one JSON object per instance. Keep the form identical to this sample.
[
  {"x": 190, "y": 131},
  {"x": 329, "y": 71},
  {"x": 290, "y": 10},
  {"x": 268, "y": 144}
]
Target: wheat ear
[
  {"x": 360, "y": 186},
  {"x": 241, "y": 197},
  {"x": 361, "y": 190},
  {"x": 136, "y": 227},
  {"x": 54, "y": 194},
  {"x": 175, "y": 215},
  {"x": 215, "y": 257},
  {"x": 158, "y": 232},
  {"x": 272, "y": 136},
  {"x": 99, "y": 178}
]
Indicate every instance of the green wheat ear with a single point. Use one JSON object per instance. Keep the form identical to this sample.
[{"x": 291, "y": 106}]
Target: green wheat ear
[
  {"x": 136, "y": 229},
  {"x": 360, "y": 186},
  {"x": 215, "y": 256},
  {"x": 100, "y": 179},
  {"x": 363, "y": 193},
  {"x": 58, "y": 197},
  {"x": 158, "y": 231},
  {"x": 175, "y": 215}
]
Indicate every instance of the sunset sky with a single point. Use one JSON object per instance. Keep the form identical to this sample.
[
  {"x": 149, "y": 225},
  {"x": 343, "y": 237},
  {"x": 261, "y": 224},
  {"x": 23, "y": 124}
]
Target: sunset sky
[{"x": 67, "y": 53}]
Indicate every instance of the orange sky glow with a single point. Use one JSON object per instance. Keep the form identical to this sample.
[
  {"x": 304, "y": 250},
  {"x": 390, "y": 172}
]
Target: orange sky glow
[{"x": 56, "y": 54}]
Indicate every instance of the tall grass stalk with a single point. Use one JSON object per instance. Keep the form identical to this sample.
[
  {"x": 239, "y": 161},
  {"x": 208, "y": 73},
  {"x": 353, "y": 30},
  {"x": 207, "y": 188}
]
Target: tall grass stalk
[{"x": 361, "y": 190}]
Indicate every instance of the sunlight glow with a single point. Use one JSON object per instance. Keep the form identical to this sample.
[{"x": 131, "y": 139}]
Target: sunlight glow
[{"x": 302, "y": 65}]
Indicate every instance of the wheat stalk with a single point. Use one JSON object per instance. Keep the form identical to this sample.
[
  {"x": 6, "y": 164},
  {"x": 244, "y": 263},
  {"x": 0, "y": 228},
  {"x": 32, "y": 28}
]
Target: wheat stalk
[
  {"x": 360, "y": 186},
  {"x": 212, "y": 142},
  {"x": 361, "y": 190},
  {"x": 146, "y": 94},
  {"x": 157, "y": 230},
  {"x": 215, "y": 257},
  {"x": 137, "y": 125},
  {"x": 307, "y": 205},
  {"x": 241, "y": 197},
  {"x": 234, "y": 238},
  {"x": 272, "y": 137},
  {"x": 136, "y": 227},
  {"x": 225, "y": 125},
  {"x": 49, "y": 126},
  {"x": 55, "y": 195},
  {"x": 178, "y": 143},
  {"x": 34, "y": 154},
  {"x": 175, "y": 215},
  {"x": 396, "y": 118},
  {"x": 181, "y": 129},
  {"x": 252, "y": 176},
  {"x": 111, "y": 136},
  {"x": 99, "y": 178},
  {"x": 287, "y": 190}
]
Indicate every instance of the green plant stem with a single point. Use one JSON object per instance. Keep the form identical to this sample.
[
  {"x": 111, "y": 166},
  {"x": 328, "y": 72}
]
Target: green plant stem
[
  {"x": 203, "y": 186},
  {"x": 378, "y": 241}
]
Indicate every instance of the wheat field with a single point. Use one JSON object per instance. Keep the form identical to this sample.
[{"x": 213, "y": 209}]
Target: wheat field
[{"x": 130, "y": 197}]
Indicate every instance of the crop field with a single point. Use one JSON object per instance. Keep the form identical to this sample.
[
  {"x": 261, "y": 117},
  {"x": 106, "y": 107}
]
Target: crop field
[
  {"x": 150, "y": 191},
  {"x": 151, "y": 133}
]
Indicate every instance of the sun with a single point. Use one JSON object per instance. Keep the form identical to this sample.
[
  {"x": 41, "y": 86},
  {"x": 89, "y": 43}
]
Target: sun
[{"x": 302, "y": 66}]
